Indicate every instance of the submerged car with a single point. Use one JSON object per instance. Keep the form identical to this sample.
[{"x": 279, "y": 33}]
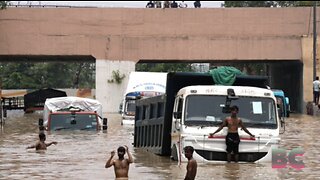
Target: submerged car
[{"x": 72, "y": 113}]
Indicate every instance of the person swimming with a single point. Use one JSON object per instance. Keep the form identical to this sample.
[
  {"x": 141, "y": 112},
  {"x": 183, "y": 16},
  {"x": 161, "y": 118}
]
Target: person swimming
[{"x": 41, "y": 144}]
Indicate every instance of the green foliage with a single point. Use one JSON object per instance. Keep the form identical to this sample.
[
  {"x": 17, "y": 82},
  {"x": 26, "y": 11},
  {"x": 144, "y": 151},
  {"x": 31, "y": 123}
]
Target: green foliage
[
  {"x": 296, "y": 3},
  {"x": 47, "y": 75},
  {"x": 164, "y": 67},
  {"x": 116, "y": 77},
  {"x": 4, "y": 4},
  {"x": 229, "y": 4},
  {"x": 249, "y": 3}
]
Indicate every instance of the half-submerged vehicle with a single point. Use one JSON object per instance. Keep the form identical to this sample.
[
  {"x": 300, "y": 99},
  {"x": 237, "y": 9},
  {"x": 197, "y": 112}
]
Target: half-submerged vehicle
[
  {"x": 140, "y": 85},
  {"x": 282, "y": 102},
  {"x": 194, "y": 106},
  {"x": 72, "y": 113}
]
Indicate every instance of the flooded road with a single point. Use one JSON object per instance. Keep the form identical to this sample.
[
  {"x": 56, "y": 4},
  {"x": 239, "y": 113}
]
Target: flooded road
[{"x": 83, "y": 154}]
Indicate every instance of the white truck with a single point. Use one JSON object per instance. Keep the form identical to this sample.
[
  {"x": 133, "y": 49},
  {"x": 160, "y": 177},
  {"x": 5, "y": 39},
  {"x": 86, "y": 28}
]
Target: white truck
[
  {"x": 141, "y": 85},
  {"x": 72, "y": 113},
  {"x": 193, "y": 107}
]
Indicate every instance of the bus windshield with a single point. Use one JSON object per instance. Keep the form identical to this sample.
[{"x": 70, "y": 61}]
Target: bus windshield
[{"x": 206, "y": 110}]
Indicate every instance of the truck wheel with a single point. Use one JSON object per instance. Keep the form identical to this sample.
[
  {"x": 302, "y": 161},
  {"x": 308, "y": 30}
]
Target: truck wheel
[{"x": 174, "y": 153}]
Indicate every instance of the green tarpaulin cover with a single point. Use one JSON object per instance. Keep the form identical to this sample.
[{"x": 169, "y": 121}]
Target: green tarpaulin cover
[{"x": 225, "y": 75}]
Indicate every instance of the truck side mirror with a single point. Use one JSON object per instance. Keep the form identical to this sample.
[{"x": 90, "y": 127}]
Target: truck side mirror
[
  {"x": 177, "y": 115},
  {"x": 282, "y": 122},
  {"x": 40, "y": 123},
  {"x": 105, "y": 123},
  {"x": 120, "y": 108},
  {"x": 226, "y": 109}
]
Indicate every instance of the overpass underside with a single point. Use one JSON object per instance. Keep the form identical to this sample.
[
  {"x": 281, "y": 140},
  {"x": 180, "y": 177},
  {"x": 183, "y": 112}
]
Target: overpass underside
[
  {"x": 117, "y": 38},
  {"x": 46, "y": 58},
  {"x": 286, "y": 75}
]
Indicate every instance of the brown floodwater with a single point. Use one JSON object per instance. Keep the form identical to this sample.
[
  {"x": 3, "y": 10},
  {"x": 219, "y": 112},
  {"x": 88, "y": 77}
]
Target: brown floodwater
[{"x": 83, "y": 154}]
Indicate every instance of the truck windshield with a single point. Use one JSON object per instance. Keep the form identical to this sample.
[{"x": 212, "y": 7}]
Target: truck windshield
[
  {"x": 73, "y": 121},
  {"x": 130, "y": 107},
  {"x": 205, "y": 110}
]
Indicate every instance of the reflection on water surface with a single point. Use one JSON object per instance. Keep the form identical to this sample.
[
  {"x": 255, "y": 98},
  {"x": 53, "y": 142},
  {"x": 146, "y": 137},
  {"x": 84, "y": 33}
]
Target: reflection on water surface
[{"x": 82, "y": 154}]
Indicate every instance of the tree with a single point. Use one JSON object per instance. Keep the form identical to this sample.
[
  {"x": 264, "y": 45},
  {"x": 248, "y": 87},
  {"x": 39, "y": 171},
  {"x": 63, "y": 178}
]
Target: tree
[
  {"x": 164, "y": 67},
  {"x": 296, "y": 3},
  {"x": 249, "y": 4},
  {"x": 3, "y": 4},
  {"x": 47, "y": 75},
  {"x": 229, "y": 4}
]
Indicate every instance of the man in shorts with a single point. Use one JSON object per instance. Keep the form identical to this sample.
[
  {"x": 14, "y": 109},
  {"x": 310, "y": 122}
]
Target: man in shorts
[{"x": 232, "y": 138}]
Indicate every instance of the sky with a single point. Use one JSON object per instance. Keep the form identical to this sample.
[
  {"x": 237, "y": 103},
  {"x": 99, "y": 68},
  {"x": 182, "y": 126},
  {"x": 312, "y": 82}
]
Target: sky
[{"x": 124, "y": 4}]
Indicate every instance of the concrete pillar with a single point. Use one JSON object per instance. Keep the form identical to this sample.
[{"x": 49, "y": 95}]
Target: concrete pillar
[
  {"x": 307, "y": 69},
  {"x": 109, "y": 93},
  {"x": 307, "y": 57}
]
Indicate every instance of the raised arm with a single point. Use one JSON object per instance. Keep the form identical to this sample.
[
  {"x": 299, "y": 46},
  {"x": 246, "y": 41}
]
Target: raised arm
[
  {"x": 109, "y": 163},
  {"x": 221, "y": 126},
  {"x": 32, "y": 146},
  {"x": 49, "y": 144},
  {"x": 130, "y": 159},
  {"x": 245, "y": 129}
]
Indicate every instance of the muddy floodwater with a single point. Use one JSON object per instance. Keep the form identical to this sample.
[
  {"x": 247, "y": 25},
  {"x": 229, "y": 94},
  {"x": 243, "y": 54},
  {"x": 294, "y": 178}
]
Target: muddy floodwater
[{"x": 83, "y": 154}]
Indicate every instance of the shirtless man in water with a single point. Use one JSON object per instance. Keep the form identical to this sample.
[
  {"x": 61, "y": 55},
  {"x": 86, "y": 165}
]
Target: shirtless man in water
[
  {"x": 192, "y": 163},
  {"x": 232, "y": 138},
  {"x": 41, "y": 145},
  {"x": 121, "y": 165}
]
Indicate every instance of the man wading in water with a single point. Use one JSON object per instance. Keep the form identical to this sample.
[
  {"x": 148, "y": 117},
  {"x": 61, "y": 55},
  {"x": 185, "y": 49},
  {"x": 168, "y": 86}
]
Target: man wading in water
[
  {"x": 232, "y": 138},
  {"x": 41, "y": 144},
  {"x": 121, "y": 165}
]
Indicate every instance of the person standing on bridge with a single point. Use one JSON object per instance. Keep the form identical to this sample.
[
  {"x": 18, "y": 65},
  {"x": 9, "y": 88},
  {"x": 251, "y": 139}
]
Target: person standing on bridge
[
  {"x": 182, "y": 4},
  {"x": 316, "y": 87},
  {"x": 197, "y": 4},
  {"x": 150, "y": 4}
]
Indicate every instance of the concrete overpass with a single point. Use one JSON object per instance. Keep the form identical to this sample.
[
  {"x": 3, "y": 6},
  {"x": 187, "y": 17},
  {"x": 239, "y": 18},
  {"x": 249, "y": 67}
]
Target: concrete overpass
[{"x": 118, "y": 38}]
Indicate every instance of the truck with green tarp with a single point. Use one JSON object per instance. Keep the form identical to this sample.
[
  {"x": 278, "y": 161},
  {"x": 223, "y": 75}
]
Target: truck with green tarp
[{"x": 194, "y": 106}]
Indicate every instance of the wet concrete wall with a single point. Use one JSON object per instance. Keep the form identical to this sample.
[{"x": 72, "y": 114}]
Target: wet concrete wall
[{"x": 124, "y": 36}]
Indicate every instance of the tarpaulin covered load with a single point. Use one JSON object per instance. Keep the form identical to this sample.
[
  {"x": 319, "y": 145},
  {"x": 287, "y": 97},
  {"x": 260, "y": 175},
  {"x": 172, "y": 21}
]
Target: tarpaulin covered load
[
  {"x": 64, "y": 103},
  {"x": 225, "y": 75}
]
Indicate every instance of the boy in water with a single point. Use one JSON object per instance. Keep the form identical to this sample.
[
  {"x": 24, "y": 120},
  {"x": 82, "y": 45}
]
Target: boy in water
[
  {"x": 232, "y": 138},
  {"x": 192, "y": 163},
  {"x": 41, "y": 145},
  {"x": 121, "y": 165}
]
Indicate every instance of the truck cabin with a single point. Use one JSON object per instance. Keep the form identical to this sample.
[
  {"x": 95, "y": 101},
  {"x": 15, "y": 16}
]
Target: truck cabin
[
  {"x": 130, "y": 105},
  {"x": 282, "y": 103},
  {"x": 73, "y": 120},
  {"x": 72, "y": 113},
  {"x": 211, "y": 110}
]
